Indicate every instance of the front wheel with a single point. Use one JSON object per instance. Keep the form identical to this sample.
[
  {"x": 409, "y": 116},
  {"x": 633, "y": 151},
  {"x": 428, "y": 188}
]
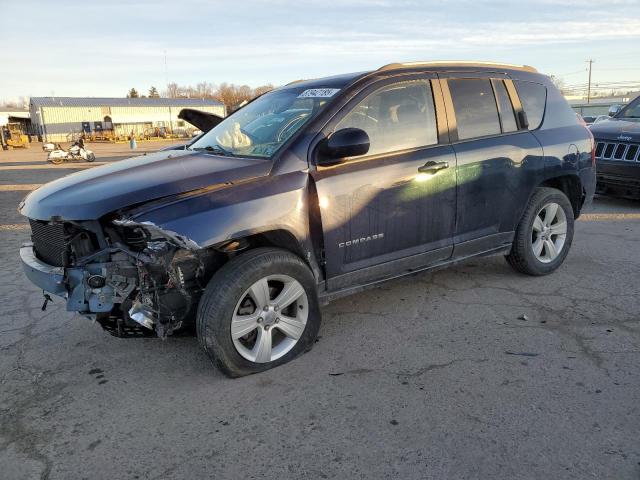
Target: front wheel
[
  {"x": 544, "y": 235},
  {"x": 91, "y": 157},
  {"x": 259, "y": 311}
]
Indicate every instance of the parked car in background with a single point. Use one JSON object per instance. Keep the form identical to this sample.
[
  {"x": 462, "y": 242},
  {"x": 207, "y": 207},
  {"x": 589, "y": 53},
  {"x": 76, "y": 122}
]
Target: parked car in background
[
  {"x": 600, "y": 118},
  {"x": 316, "y": 190},
  {"x": 591, "y": 119},
  {"x": 618, "y": 151}
]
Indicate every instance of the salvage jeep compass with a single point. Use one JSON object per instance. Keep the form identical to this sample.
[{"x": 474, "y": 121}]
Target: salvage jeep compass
[{"x": 312, "y": 191}]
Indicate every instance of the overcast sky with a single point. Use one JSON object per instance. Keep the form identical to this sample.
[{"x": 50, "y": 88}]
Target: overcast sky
[{"x": 70, "y": 48}]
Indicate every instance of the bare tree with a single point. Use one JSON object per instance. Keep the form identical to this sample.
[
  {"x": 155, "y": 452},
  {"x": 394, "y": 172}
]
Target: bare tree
[
  {"x": 21, "y": 102},
  {"x": 228, "y": 93},
  {"x": 261, "y": 90},
  {"x": 204, "y": 90},
  {"x": 233, "y": 95},
  {"x": 172, "y": 90}
]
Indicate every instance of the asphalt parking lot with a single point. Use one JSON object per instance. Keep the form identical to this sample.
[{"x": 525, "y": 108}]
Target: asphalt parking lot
[{"x": 474, "y": 372}]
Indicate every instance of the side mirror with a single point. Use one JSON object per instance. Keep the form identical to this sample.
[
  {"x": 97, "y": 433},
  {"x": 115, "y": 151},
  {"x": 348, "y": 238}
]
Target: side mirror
[
  {"x": 614, "y": 110},
  {"x": 347, "y": 142}
]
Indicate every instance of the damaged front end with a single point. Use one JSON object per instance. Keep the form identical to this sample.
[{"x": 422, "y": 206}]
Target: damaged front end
[{"x": 130, "y": 277}]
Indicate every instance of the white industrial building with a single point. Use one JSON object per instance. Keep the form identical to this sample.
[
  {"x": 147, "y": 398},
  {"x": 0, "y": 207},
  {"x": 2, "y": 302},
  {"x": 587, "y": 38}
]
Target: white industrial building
[
  {"x": 14, "y": 115},
  {"x": 60, "y": 119}
]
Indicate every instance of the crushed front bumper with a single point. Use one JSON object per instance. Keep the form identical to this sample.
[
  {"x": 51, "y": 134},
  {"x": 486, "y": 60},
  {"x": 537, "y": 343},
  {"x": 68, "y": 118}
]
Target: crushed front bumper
[
  {"x": 70, "y": 283},
  {"x": 44, "y": 276}
]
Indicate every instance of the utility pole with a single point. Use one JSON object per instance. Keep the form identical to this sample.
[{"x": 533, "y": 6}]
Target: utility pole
[
  {"x": 166, "y": 77},
  {"x": 590, "y": 62},
  {"x": 166, "y": 70}
]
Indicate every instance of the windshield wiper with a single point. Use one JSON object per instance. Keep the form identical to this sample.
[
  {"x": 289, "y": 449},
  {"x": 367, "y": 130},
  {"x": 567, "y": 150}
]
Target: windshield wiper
[{"x": 216, "y": 149}]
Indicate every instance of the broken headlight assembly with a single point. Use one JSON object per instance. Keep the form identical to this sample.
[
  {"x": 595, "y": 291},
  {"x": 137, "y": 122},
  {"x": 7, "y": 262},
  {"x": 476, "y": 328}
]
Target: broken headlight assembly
[{"x": 171, "y": 276}]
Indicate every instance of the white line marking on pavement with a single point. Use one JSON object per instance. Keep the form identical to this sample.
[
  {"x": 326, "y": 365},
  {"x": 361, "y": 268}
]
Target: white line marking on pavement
[
  {"x": 19, "y": 188},
  {"x": 13, "y": 227},
  {"x": 62, "y": 166},
  {"x": 594, "y": 217}
]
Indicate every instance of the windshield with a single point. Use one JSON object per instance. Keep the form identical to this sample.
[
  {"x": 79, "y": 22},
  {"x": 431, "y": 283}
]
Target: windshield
[
  {"x": 630, "y": 111},
  {"x": 263, "y": 126}
]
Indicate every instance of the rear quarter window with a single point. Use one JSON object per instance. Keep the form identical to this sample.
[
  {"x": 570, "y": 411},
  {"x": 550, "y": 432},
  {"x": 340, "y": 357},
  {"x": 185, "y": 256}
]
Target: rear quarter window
[{"x": 533, "y": 97}]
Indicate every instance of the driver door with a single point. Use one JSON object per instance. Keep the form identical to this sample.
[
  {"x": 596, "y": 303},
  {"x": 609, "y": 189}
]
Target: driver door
[{"x": 389, "y": 212}]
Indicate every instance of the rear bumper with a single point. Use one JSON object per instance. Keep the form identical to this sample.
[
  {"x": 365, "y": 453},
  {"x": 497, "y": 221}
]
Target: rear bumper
[
  {"x": 619, "y": 178},
  {"x": 44, "y": 276}
]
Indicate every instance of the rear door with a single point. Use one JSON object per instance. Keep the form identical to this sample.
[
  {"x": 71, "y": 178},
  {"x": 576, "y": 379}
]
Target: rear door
[
  {"x": 379, "y": 209},
  {"x": 498, "y": 160}
]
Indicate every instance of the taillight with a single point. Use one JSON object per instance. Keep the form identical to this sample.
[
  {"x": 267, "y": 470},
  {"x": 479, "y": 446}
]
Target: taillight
[
  {"x": 593, "y": 147},
  {"x": 581, "y": 120}
]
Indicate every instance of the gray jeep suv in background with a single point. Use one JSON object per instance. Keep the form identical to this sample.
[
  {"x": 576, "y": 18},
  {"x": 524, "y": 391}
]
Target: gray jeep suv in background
[{"x": 315, "y": 190}]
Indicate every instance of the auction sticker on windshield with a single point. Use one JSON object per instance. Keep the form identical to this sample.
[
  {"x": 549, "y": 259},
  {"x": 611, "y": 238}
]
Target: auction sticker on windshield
[{"x": 319, "y": 93}]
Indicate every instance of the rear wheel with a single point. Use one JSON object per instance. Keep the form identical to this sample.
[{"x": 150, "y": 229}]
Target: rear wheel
[
  {"x": 56, "y": 160},
  {"x": 543, "y": 237},
  {"x": 260, "y": 310}
]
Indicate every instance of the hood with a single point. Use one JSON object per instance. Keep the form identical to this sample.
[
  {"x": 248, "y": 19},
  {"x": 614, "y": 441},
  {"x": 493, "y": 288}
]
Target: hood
[
  {"x": 92, "y": 193},
  {"x": 615, "y": 128}
]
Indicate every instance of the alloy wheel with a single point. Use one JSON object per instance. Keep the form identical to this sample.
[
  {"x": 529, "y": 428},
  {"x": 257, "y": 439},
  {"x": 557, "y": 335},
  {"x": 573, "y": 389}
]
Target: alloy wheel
[
  {"x": 269, "y": 318},
  {"x": 549, "y": 232}
]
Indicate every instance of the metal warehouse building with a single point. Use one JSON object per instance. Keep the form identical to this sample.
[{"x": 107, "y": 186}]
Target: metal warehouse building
[{"x": 60, "y": 119}]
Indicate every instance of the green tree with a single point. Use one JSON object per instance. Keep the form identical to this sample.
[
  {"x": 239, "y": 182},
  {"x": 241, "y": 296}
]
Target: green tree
[
  {"x": 133, "y": 93},
  {"x": 153, "y": 92}
]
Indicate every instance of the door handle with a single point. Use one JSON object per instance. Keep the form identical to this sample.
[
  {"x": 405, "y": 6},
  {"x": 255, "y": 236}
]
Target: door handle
[{"x": 433, "y": 167}]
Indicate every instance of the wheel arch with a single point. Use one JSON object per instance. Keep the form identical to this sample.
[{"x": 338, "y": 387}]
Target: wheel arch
[
  {"x": 571, "y": 186},
  {"x": 277, "y": 238}
]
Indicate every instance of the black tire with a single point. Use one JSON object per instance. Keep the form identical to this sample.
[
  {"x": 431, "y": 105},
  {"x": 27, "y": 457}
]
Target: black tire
[
  {"x": 56, "y": 161},
  {"x": 522, "y": 257},
  {"x": 91, "y": 157},
  {"x": 224, "y": 291}
]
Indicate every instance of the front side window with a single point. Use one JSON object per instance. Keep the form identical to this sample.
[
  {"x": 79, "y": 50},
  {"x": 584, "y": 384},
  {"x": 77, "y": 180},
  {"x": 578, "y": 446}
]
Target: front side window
[
  {"x": 533, "y": 97},
  {"x": 475, "y": 107},
  {"x": 396, "y": 117},
  {"x": 262, "y": 127}
]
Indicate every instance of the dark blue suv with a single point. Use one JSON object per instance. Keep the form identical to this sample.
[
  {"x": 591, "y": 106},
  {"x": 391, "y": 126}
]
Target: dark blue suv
[
  {"x": 316, "y": 190},
  {"x": 618, "y": 152}
]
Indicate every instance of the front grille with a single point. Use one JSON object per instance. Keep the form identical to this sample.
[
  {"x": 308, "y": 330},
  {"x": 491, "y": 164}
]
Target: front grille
[
  {"x": 619, "y": 151},
  {"x": 49, "y": 242}
]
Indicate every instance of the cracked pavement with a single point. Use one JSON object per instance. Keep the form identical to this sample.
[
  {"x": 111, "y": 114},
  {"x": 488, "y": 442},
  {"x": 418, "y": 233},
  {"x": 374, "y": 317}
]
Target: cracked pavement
[{"x": 431, "y": 376}]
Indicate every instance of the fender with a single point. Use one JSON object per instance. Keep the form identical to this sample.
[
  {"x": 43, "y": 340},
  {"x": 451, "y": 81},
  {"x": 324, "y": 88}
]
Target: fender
[{"x": 211, "y": 216}]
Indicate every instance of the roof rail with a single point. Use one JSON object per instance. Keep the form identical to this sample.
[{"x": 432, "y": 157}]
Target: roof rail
[
  {"x": 454, "y": 63},
  {"x": 295, "y": 81}
]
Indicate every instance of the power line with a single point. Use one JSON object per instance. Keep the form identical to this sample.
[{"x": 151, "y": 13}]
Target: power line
[{"x": 579, "y": 72}]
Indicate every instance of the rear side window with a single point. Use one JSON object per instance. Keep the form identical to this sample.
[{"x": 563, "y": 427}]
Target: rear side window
[
  {"x": 533, "y": 97},
  {"x": 475, "y": 108},
  {"x": 396, "y": 117},
  {"x": 507, "y": 116}
]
